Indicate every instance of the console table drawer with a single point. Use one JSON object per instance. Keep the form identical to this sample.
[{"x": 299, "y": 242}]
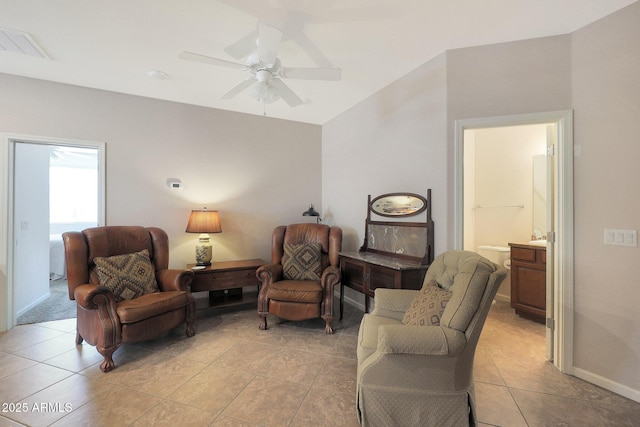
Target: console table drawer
[
  {"x": 381, "y": 277},
  {"x": 225, "y": 276},
  {"x": 365, "y": 273},
  {"x": 353, "y": 273},
  {"x": 224, "y": 280}
]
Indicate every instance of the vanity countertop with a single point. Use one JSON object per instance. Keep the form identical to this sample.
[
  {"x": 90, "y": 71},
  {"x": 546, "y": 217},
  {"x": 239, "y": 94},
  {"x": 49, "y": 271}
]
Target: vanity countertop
[{"x": 534, "y": 243}]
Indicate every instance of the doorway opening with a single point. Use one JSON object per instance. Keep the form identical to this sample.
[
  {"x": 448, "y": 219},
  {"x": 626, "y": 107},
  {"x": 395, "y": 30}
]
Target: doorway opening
[
  {"x": 558, "y": 212},
  {"x": 53, "y": 186}
]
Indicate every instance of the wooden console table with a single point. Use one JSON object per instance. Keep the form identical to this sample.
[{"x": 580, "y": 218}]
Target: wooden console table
[
  {"x": 395, "y": 254},
  {"x": 365, "y": 271},
  {"x": 225, "y": 281}
]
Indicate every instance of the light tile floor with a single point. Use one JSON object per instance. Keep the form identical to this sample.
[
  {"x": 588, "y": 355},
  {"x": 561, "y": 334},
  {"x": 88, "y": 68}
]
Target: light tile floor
[{"x": 232, "y": 374}]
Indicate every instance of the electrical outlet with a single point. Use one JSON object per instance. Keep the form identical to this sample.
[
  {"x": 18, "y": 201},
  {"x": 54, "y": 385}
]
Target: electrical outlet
[{"x": 614, "y": 237}]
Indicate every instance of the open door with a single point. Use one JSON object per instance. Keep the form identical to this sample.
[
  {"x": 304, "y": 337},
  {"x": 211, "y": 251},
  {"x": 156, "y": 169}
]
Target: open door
[
  {"x": 26, "y": 208},
  {"x": 550, "y": 214},
  {"x": 30, "y": 226}
]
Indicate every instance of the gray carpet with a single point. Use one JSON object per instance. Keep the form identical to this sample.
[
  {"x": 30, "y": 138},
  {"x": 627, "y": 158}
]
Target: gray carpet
[{"x": 57, "y": 306}]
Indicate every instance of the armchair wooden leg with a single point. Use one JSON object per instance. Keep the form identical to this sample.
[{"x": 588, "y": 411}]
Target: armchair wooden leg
[
  {"x": 108, "y": 363},
  {"x": 263, "y": 322},
  {"x": 190, "y": 330},
  {"x": 328, "y": 329}
]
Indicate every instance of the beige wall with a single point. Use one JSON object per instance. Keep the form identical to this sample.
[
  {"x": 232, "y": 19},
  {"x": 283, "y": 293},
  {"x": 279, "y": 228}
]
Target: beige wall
[
  {"x": 393, "y": 141},
  {"x": 402, "y": 139},
  {"x": 258, "y": 172},
  {"x": 606, "y": 99}
]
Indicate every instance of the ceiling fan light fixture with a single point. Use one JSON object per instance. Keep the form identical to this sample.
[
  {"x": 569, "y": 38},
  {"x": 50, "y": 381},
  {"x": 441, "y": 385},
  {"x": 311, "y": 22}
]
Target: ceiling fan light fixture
[
  {"x": 262, "y": 92},
  {"x": 264, "y": 76}
]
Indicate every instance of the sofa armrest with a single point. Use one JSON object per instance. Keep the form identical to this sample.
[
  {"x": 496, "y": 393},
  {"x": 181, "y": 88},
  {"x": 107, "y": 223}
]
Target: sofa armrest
[
  {"x": 91, "y": 297},
  {"x": 420, "y": 340},
  {"x": 174, "y": 280},
  {"x": 392, "y": 303},
  {"x": 330, "y": 276},
  {"x": 269, "y": 273}
]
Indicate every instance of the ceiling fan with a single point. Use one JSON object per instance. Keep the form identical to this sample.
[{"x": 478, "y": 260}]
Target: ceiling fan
[{"x": 266, "y": 70}]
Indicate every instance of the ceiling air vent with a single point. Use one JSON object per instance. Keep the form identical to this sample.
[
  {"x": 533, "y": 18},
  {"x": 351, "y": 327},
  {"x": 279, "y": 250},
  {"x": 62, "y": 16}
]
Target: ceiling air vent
[{"x": 19, "y": 42}]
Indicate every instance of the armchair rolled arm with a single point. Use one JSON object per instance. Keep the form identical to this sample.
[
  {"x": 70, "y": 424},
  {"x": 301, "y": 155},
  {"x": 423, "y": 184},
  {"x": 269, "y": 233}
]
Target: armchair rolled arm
[
  {"x": 330, "y": 277},
  {"x": 174, "y": 280},
  {"x": 91, "y": 297},
  {"x": 269, "y": 273},
  {"x": 420, "y": 340}
]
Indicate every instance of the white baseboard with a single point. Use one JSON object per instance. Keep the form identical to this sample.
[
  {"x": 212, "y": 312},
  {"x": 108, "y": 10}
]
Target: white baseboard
[
  {"x": 33, "y": 304},
  {"x": 505, "y": 298},
  {"x": 357, "y": 304},
  {"x": 607, "y": 384}
]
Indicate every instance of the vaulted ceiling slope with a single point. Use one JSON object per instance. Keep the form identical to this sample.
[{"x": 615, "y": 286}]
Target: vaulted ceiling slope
[{"x": 133, "y": 47}]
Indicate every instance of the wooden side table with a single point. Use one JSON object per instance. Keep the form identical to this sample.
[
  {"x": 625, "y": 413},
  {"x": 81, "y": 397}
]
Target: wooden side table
[{"x": 225, "y": 281}]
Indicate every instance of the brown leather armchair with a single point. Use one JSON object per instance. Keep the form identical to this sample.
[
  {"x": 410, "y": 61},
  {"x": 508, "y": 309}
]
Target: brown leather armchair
[
  {"x": 294, "y": 298},
  {"x": 105, "y": 321}
]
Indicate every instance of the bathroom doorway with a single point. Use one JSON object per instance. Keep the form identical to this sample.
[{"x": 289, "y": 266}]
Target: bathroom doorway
[
  {"x": 505, "y": 195},
  {"x": 508, "y": 147},
  {"x": 39, "y": 168}
]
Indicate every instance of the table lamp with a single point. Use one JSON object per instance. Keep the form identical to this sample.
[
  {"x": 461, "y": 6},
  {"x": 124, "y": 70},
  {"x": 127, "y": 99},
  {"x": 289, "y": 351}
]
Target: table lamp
[{"x": 204, "y": 222}]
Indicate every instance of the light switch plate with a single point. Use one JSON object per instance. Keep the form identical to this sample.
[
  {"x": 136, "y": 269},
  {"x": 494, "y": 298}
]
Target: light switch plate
[{"x": 614, "y": 237}]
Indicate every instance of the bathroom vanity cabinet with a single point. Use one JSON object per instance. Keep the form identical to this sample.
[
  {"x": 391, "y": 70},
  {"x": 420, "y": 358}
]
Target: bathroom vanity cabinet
[{"x": 529, "y": 281}]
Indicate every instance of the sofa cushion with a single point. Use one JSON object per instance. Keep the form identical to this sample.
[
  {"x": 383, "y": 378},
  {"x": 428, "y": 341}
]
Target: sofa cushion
[
  {"x": 302, "y": 261},
  {"x": 128, "y": 276},
  {"x": 427, "y": 307}
]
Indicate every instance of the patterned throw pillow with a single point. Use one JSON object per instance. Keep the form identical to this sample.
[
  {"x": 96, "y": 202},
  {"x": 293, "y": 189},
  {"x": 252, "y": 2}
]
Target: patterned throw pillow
[
  {"x": 128, "y": 276},
  {"x": 427, "y": 307},
  {"x": 302, "y": 261}
]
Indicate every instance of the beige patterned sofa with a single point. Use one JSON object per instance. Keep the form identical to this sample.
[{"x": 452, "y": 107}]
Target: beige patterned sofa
[{"x": 423, "y": 375}]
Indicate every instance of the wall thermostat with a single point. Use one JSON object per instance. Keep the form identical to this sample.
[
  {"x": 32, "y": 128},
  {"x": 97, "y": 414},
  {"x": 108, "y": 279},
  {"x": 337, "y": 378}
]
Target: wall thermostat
[{"x": 174, "y": 183}]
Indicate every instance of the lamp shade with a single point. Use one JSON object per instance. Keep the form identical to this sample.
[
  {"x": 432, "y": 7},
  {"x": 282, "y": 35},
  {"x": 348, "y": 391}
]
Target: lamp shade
[{"x": 204, "y": 221}]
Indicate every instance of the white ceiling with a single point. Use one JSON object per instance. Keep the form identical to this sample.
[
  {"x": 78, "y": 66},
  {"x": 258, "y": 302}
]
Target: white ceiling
[{"x": 112, "y": 44}]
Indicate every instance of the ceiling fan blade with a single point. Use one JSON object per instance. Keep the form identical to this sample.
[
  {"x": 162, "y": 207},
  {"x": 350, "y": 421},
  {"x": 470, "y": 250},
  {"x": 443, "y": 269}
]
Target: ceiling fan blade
[
  {"x": 286, "y": 93},
  {"x": 333, "y": 74},
  {"x": 312, "y": 50},
  {"x": 238, "y": 88},
  {"x": 243, "y": 47},
  {"x": 190, "y": 56},
  {"x": 269, "y": 38}
]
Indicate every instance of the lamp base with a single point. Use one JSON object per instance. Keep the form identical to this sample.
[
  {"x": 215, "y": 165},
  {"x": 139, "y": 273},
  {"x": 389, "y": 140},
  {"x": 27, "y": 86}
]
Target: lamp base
[
  {"x": 203, "y": 264},
  {"x": 203, "y": 252}
]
